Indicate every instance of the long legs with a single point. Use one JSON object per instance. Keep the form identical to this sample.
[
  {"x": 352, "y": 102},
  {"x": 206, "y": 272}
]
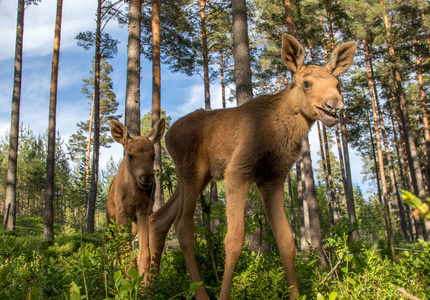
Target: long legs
[
  {"x": 159, "y": 224},
  {"x": 273, "y": 200},
  {"x": 143, "y": 257},
  {"x": 179, "y": 209},
  {"x": 237, "y": 191}
]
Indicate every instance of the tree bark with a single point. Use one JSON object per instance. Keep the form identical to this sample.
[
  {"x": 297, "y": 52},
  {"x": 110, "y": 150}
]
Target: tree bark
[
  {"x": 381, "y": 164},
  {"x": 10, "y": 197},
  {"x": 343, "y": 148},
  {"x": 242, "y": 65},
  {"x": 132, "y": 97},
  {"x": 88, "y": 157},
  {"x": 349, "y": 193},
  {"x": 289, "y": 16},
  {"x": 205, "y": 53},
  {"x": 156, "y": 99},
  {"x": 92, "y": 197},
  {"x": 311, "y": 199},
  {"x": 395, "y": 191},
  {"x": 290, "y": 194},
  {"x": 411, "y": 151},
  {"x": 405, "y": 183},
  {"x": 303, "y": 207},
  {"x": 48, "y": 230},
  {"x": 423, "y": 104},
  {"x": 221, "y": 70},
  {"x": 325, "y": 157}
]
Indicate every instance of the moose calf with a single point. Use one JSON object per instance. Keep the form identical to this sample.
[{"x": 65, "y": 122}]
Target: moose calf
[
  {"x": 256, "y": 142},
  {"x": 131, "y": 191}
]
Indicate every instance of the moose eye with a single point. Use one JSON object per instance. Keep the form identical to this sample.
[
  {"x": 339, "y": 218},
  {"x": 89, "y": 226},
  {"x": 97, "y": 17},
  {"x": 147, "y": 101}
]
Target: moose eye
[
  {"x": 130, "y": 156},
  {"x": 306, "y": 84}
]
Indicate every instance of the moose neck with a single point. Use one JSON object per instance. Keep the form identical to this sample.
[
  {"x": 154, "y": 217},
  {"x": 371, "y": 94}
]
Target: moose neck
[
  {"x": 127, "y": 178},
  {"x": 292, "y": 123}
]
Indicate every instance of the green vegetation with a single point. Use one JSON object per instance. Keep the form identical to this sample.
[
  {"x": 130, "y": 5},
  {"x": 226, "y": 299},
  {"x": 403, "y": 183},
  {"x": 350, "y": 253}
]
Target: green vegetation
[{"x": 83, "y": 266}]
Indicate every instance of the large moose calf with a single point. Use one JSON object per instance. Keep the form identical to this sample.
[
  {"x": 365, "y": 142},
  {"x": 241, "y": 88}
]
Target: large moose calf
[
  {"x": 257, "y": 142},
  {"x": 131, "y": 191}
]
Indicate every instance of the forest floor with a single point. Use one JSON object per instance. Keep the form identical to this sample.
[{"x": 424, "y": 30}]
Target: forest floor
[{"x": 82, "y": 266}]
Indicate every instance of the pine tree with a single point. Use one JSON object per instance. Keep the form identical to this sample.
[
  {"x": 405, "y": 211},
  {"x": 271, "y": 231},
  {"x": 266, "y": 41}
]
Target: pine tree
[
  {"x": 10, "y": 198},
  {"x": 132, "y": 96},
  {"x": 242, "y": 64},
  {"x": 48, "y": 231},
  {"x": 106, "y": 47}
]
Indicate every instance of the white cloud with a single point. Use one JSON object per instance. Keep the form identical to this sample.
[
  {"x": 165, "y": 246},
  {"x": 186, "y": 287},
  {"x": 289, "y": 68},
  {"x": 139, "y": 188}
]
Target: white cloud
[
  {"x": 78, "y": 15},
  {"x": 195, "y": 99}
]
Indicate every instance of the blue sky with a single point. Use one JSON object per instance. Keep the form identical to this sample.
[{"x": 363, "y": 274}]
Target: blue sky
[{"x": 180, "y": 94}]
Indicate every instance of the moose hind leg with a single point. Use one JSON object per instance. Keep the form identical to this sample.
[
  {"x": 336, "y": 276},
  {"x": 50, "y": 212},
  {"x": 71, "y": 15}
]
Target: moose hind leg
[
  {"x": 273, "y": 200},
  {"x": 159, "y": 225}
]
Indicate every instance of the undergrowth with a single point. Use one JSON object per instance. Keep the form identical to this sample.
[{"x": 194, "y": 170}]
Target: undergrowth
[{"x": 82, "y": 266}]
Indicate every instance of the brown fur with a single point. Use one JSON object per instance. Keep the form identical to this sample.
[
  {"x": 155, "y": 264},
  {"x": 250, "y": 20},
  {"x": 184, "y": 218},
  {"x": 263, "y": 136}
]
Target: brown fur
[
  {"x": 131, "y": 191},
  {"x": 257, "y": 142}
]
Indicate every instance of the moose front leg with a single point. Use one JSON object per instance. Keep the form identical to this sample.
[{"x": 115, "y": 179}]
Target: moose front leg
[
  {"x": 237, "y": 191},
  {"x": 273, "y": 200},
  {"x": 143, "y": 256},
  {"x": 189, "y": 191}
]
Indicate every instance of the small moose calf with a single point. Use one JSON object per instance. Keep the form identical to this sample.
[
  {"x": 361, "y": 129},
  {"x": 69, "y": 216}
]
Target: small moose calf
[{"x": 131, "y": 191}]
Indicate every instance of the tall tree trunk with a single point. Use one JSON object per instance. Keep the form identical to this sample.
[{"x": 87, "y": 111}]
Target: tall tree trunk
[
  {"x": 372, "y": 85},
  {"x": 242, "y": 64},
  {"x": 156, "y": 98},
  {"x": 423, "y": 104},
  {"x": 381, "y": 164},
  {"x": 132, "y": 97},
  {"x": 221, "y": 69},
  {"x": 405, "y": 182},
  {"x": 418, "y": 223},
  {"x": 48, "y": 230},
  {"x": 303, "y": 207},
  {"x": 289, "y": 17},
  {"x": 205, "y": 53},
  {"x": 311, "y": 199},
  {"x": 88, "y": 157},
  {"x": 426, "y": 27},
  {"x": 411, "y": 151},
  {"x": 10, "y": 198},
  {"x": 349, "y": 193},
  {"x": 375, "y": 162},
  {"x": 290, "y": 195},
  {"x": 92, "y": 197},
  {"x": 334, "y": 199},
  {"x": 346, "y": 166},
  {"x": 325, "y": 157}
]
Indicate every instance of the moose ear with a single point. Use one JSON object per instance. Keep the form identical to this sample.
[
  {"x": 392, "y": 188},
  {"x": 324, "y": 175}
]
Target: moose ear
[
  {"x": 292, "y": 53},
  {"x": 341, "y": 58},
  {"x": 119, "y": 132},
  {"x": 157, "y": 131}
]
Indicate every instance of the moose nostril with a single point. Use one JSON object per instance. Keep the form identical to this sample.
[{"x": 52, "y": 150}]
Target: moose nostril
[{"x": 145, "y": 179}]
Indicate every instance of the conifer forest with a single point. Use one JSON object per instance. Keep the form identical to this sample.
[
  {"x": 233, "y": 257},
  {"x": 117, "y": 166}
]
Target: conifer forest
[{"x": 355, "y": 238}]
